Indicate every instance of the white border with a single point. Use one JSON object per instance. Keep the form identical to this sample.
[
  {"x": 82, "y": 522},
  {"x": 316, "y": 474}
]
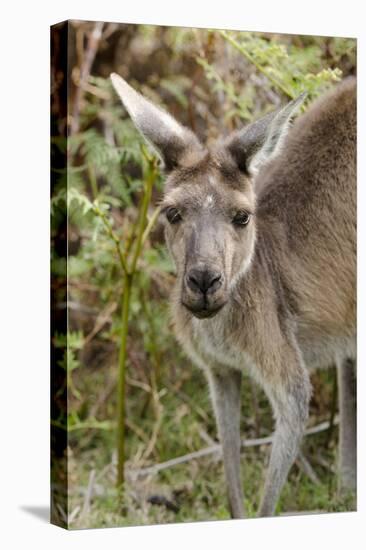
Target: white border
[{"x": 24, "y": 271}]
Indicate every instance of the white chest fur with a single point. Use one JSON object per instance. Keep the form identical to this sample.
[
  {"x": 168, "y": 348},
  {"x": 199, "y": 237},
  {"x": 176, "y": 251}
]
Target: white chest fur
[{"x": 214, "y": 345}]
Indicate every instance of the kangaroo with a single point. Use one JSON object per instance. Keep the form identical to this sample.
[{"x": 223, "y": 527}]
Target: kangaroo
[{"x": 262, "y": 229}]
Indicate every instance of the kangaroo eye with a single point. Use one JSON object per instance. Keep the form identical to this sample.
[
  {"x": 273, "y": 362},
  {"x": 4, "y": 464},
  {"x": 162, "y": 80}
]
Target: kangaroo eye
[
  {"x": 173, "y": 215},
  {"x": 241, "y": 218}
]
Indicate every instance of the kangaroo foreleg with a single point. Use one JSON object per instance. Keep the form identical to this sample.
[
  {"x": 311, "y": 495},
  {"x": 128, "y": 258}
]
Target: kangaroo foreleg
[{"x": 225, "y": 391}]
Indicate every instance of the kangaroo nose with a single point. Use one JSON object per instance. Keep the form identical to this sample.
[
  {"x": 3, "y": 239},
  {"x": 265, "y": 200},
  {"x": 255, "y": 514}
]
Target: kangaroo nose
[{"x": 204, "y": 280}]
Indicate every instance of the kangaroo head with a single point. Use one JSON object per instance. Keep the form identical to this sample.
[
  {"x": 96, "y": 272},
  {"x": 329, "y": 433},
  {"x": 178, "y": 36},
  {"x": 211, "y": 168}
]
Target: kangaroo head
[{"x": 208, "y": 207}]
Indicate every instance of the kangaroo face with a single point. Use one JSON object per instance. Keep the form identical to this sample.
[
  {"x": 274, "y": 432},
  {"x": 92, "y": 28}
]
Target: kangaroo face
[{"x": 209, "y": 230}]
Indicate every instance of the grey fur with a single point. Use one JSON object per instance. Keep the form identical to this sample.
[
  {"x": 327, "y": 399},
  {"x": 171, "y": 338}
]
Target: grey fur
[{"x": 285, "y": 299}]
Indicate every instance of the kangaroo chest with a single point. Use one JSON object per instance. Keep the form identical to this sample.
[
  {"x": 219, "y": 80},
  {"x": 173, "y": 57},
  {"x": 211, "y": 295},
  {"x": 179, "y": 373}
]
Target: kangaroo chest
[{"x": 213, "y": 343}]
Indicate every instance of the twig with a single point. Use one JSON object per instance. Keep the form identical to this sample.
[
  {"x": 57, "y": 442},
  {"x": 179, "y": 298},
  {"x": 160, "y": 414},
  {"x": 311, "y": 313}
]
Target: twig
[
  {"x": 109, "y": 388},
  {"x": 307, "y": 468},
  {"x": 90, "y": 54},
  {"x": 61, "y": 511},
  {"x": 73, "y": 514},
  {"x": 189, "y": 401},
  {"x": 206, "y": 437},
  {"x": 154, "y": 436},
  {"x": 103, "y": 317},
  {"x": 324, "y": 463},
  {"x": 111, "y": 28},
  {"x": 137, "y": 430},
  {"x": 150, "y": 224},
  {"x": 112, "y": 235},
  {"x": 213, "y": 449},
  {"x": 88, "y": 495},
  {"x": 137, "y": 384}
]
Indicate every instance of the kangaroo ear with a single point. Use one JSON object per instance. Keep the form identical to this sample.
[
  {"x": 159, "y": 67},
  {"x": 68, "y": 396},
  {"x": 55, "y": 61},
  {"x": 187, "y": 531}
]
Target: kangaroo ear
[
  {"x": 169, "y": 139},
  {"x": 261, "y": 141}
]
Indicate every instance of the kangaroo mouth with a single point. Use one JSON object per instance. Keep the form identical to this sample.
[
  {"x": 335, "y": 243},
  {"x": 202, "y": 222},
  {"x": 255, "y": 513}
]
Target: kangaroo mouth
[{"x": 204, "y": 312}]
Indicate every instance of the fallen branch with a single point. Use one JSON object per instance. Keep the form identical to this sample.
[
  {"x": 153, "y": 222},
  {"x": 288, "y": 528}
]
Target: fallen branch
[{"x": 216, "y": 449}]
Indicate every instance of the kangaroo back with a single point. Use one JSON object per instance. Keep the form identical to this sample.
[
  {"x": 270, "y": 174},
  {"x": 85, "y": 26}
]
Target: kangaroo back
[{"x": 310, "y": 190}]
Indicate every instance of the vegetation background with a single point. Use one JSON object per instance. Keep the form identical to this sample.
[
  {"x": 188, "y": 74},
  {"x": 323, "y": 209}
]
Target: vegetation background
[{"x": 213, "y": 82}]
